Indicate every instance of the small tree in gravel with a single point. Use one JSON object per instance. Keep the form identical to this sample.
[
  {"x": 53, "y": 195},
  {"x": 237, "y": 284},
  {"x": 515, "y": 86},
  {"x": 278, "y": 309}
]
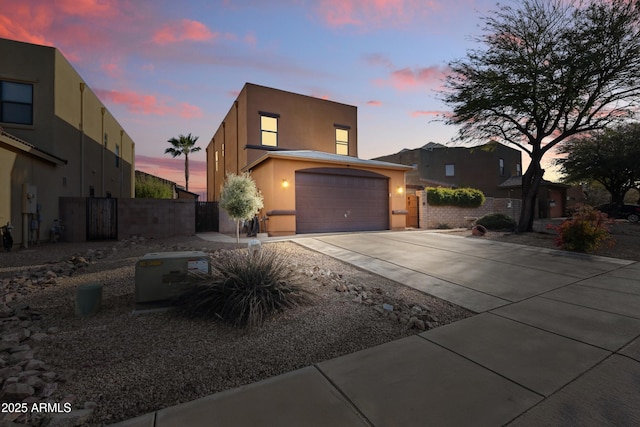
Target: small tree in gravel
[{"x": 240, "y": 198}]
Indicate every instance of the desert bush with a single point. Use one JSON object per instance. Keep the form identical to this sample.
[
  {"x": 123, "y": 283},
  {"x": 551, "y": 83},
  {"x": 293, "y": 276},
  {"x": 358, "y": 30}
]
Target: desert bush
[
  {"x": 496, "y": 221},
  {"x": 148, "y": 187},
  {"x": 461, "y": 197},
  {"x": 244, "y": 289},
  {"x": 585, "y": 231}
]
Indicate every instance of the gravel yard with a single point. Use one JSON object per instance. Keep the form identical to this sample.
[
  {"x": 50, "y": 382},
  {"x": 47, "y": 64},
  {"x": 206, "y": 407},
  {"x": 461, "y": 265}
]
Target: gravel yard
[
  {"x": 625, "y": 234},
  {"x": 117, "y": 365}
]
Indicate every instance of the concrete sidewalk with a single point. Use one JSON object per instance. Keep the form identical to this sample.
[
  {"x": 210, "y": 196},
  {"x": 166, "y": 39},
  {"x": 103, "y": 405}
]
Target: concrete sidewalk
[{"x": 556, "y": 343}]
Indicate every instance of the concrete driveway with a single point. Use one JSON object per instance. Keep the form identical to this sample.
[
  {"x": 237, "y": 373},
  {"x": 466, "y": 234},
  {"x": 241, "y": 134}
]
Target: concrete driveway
[{"x": 555, "y": 343}]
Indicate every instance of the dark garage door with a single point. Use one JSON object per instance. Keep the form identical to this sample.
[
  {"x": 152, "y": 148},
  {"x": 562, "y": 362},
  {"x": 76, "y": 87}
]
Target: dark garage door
[{"x": 331, "y": 199}]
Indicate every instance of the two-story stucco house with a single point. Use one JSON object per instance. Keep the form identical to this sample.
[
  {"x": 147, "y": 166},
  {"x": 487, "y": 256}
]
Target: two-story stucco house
[
  {"x": 302, "y": 153},
  {"x": 483, "y": 167},
  {"x": 56, "y": 140}
]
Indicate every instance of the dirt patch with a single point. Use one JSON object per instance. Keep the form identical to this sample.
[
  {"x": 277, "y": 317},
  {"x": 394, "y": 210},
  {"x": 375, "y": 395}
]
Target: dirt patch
[{"x": 626, "y": 236}]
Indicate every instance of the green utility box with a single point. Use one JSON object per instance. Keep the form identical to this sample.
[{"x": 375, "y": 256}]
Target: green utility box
[{"x": 162, "y": 276}]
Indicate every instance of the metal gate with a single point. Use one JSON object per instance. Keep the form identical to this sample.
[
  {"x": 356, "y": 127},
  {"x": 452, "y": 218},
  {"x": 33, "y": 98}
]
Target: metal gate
[
  {"x": 206, "y": 216},
  {"x": 102, "y": 218}
]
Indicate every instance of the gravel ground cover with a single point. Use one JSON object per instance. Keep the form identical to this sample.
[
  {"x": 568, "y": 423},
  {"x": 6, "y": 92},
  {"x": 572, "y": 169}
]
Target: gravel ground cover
[
  {"x": 626, "y": 237},
  {"x": 117, "y": 365}
]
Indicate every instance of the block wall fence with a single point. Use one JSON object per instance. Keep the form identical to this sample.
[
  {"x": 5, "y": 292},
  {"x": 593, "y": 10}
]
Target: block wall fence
[
  {"x": 456, "y": 217},
  {"x": 150, "y": 218}
]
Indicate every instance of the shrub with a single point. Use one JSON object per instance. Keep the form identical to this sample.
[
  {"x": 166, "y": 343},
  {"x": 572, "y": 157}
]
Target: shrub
[
  {"x": 497, "y": 221},
  {"x": 461, "y": 197},
  {"x": 244, "y": 289},
  {"x": 585, "y": 231},
  {"x": 148, "y": 187}
]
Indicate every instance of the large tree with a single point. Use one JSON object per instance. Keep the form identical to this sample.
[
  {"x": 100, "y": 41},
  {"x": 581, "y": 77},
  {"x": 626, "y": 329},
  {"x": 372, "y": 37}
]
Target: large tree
[
  {"x": 548, "y": 70},
  {"x": 183, "y": 145},
  {"x": 610, "y": 157}
]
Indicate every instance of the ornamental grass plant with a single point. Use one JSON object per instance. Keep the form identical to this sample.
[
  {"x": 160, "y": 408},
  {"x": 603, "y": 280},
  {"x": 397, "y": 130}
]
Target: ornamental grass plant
[{"x": 244, "y": 289}]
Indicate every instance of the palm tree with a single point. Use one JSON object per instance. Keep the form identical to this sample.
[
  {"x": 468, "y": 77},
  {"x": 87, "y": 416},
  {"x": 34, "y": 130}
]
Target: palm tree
[{"x": 183, "y": 145}]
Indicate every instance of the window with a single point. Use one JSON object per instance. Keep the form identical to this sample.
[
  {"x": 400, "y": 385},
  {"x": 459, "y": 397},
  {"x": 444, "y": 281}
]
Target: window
[
  {"x": 216, "y": 160},
  {"x": 117, "y": 155},
  {"x": 518, "y": 169},
  {"x": 501, "y": 163},
  {"x": 342, "y": 142},
  {"x": 269, "y": 130},
  {"x": 449, "y": 170},
  {"x": 105, "y": 140},
  {"x": 16, "y": 103}
]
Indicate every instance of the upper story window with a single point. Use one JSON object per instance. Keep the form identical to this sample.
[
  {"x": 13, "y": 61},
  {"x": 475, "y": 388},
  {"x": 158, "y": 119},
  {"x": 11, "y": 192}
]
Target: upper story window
[
  {"x": 501, "y": 163},
  {"x": 117, "y": 155},
  {"x": 449, "y": 170},
  {"x": 16, "y": 103},
  {"x": 518, "y": 169},
  {"x": 342, "y": 141},
  {"x": 269, "y": 129}
]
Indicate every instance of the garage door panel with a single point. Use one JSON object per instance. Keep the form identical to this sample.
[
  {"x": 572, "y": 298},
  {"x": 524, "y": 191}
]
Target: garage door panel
[{"x": 332, "y": 202}]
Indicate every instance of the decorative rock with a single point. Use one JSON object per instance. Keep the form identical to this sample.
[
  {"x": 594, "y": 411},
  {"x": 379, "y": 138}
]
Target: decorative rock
[
  {"x": 53, "y": 330},
  {"x": 419, "y": 324},
  {"x": 357, "y": 299},
  {"x": 5, "y": 311},
  {"x": 38, "y": 336},
  {"x": 48, "y": 389},
  {"x": 24, "y": 347},
  {"x": 77, "y": 417},
  {"x": 15, "y": 392},
  {"x": 18, "y": 357},
  {"x": 387, "y": 307},
  {"x": 34, "y": 382},
  {"x": 34, "y": 364}
]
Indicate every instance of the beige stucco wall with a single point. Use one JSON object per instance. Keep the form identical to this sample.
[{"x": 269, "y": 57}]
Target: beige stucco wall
[
  {"x": 61, "y": 111},
  {"x": 270, "y": 174},
  {"x": 305, "y": 123}
]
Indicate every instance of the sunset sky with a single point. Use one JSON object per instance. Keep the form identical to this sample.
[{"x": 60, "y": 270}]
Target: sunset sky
[{"x": 165, "y": 68}]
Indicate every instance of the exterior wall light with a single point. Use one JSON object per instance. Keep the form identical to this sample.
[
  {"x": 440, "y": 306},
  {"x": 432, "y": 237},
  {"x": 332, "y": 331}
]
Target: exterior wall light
[
  {"x": 399, "y": 190},
  {"x": 285, "y": 183}
]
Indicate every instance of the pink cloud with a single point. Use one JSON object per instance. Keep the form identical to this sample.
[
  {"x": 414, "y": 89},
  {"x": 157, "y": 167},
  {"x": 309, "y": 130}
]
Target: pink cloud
[
  {"x": 183, "y": 30},
  {"x": 25, "y": 24},
  {"x": 374, "y": 103},
  {"x": 409, "y": 78},
  {"x": 89, "y": 7},
  {"x": 172, "y": 169},
  {"x": 251, "y": 39},
  {"x": 432, "y": 113},
  {"x": 112, "y": 70},
  {"x": 188, "y": 111},
  {"x": 148, "y": 104},
  {"x": 372, "y": 13}
]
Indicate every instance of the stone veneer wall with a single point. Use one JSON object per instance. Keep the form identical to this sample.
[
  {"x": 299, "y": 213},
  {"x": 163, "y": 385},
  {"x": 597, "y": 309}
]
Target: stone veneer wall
[
  {"x": 150, "y": 218},
  {"x": 455, "y": 217}
]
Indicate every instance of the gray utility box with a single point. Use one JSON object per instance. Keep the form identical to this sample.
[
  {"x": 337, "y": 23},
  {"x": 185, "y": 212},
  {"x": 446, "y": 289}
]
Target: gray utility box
[{"x": 164, "y": 275}]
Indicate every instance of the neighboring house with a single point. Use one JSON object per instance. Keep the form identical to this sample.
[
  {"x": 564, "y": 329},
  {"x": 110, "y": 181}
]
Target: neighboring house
[
  {"x": 551, "y": 201},
  {"x": 57, "y": 139},
  {"x": 483, "y": 167},
  {"x": 177, "y": 191},
  {"x": 302, "y": 153}
]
